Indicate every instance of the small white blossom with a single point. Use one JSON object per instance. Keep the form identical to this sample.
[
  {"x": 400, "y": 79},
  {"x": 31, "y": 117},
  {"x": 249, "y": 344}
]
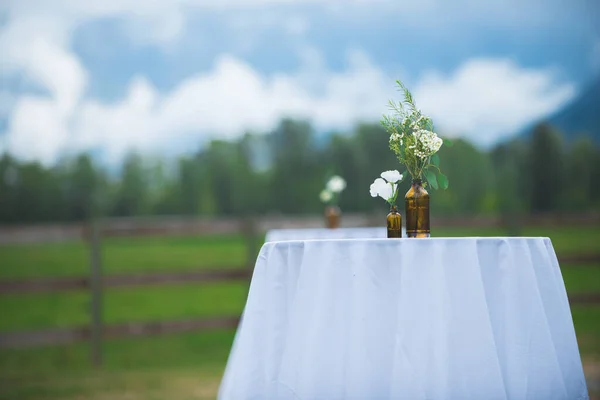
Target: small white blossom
[
  {"x": 325, "y": 196},
  {"x": 383, "y": 189},
  {"x": 386, "y": 192},
  {"x": 430, "y": 141},
  {"x": 336, "y": 184},
  {"x": 396, "y": 137},
  {"x": 377, "y": 186},
  {"x": 392, "y": 176}
]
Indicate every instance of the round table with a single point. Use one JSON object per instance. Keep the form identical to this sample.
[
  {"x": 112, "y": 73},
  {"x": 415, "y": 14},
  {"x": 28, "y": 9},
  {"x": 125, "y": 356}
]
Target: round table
[
  {"x": 276, "y": 235},
  {"x": 438, "y": 318}
]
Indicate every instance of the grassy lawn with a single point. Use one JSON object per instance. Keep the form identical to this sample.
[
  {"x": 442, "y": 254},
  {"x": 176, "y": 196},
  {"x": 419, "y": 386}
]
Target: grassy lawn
[
  {"x": 584, "y": 278},
  {"x": 566, "y": 240},
  {"x": 131, "y": 384},
  {"x": 63, "y": 309},
  {"x": 123, "y": 255},
  {"x": 183, "y": 366}
]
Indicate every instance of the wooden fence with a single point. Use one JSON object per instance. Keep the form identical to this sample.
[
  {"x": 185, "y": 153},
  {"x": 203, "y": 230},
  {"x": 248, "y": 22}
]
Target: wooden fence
[{"x": 250, "y": 228}]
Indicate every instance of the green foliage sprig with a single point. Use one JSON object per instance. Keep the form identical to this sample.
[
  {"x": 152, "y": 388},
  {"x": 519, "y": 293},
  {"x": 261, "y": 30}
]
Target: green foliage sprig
[{"x": 413, "y": 140}]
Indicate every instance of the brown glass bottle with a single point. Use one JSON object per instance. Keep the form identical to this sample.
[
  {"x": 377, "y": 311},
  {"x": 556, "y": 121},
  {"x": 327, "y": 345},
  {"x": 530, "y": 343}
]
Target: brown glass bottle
[
  {"x": 332, "y": 217},
  {"x": 394, "y": 223},
  {"x": 417, "y": 211}
]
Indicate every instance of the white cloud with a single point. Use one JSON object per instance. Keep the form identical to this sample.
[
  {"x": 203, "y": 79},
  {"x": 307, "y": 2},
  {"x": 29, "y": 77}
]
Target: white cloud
[
  {"x": 226, "y": 101},
  {"x": 37, "y": 130},
  {"x": 7, "y": 102},
  {"x": 163, "y": 29},
  {"x": 36, "y": 47},
  {"x": 163, "y": 21},
  {"x": 485, "y": 99},
  {"x": 38, "y": 126}
]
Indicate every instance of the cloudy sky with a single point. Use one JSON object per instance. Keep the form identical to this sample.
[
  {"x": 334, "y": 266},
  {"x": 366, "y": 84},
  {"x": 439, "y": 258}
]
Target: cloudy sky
[{"x": 161, "y": 77}]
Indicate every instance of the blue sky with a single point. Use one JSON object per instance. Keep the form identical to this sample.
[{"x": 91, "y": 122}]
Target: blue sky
[{"x": 162, "y": 77}]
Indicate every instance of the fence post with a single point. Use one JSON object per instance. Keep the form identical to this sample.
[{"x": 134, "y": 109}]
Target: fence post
[
  {"x": 251, "y": 233},
  {"x": 96, "y": 292}
]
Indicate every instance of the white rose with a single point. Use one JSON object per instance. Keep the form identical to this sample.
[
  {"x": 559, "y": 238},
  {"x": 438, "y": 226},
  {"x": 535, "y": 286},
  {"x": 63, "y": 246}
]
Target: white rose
[
  {"x": 325, "y": 196},
  {"x": 392, "y": 176},
  {"x": 336, "y": 184}
]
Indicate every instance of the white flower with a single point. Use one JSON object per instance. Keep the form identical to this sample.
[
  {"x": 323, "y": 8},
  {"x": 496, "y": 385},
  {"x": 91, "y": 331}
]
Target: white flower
[
  {"x": 430, "y": 142},
  {"x": 336, "y": 184},
  {"x": 325, "y": 196},
  {"x": 392, "y": 176},
  {"x": 383, "y": 189},
  {"x": 394, "y": 137},
  {"x": 377, "y": 186}
]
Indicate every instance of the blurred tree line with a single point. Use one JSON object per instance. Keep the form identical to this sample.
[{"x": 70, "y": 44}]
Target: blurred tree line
[{"x": 284, "y": 171}]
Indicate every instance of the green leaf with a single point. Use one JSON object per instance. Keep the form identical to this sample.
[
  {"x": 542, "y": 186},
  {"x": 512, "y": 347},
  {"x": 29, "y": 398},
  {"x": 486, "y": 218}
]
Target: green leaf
[
  {"x": 448, "y": 142},
  {"x": 443, "y": 180},
  {"x": 431, "y": 178},
  {"x": 435, "y": 160}
]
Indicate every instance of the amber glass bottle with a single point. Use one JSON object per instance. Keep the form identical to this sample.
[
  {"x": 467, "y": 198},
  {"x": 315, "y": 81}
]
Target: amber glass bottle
[
  {"x": 417, "y": 211},
  {"x": 394, "y": 223},
  {"x": 332, "y": 217}
]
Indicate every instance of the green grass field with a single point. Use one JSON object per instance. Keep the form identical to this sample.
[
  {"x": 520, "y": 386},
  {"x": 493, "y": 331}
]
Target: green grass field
[
  {"x": 182, "y": 366},
  {"x": 123, "y": 255}
]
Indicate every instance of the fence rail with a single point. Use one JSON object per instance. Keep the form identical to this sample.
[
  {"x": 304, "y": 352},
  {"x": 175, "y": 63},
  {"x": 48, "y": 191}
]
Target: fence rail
[
  {"x": 123, "y": 280},
  {"x": 204, "y": 275},
  {"x": 584, "y": 298},
  {"x": 210, "y": 226},
  {"x": 81, "y": 333}
]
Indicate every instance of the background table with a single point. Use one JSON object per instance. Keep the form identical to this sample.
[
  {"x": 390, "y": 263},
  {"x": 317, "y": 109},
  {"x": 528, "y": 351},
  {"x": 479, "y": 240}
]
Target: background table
[
  {"x": 453, "y": 318},
  {"x": 323, "y": 233}
]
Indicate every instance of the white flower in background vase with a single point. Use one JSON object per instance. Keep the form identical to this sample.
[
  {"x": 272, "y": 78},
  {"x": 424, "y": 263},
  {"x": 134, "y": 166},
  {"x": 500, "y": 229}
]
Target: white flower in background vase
[
  {"x": 330, "y": 196},
  {"x": 333, "y": 189},
  {"x": 336, "y": 184},
  {"x": 392, "y": 176},
  {"x": 326, "y": 196}
]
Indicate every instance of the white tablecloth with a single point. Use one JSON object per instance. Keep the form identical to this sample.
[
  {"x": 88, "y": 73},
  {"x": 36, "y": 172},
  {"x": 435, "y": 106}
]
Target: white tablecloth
[
  {"x": 462, "y": 318},
  {"x": 276, "y": 235}
]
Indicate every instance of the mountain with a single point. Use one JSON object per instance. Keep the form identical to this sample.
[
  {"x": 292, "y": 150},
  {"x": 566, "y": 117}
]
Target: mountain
[{"x": 581, "y": 116}]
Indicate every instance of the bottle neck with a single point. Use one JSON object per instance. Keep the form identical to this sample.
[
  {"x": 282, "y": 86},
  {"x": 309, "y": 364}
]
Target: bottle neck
[
  {"x": 394, "y": 208},
  {"x": 417, "y": 182}
]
